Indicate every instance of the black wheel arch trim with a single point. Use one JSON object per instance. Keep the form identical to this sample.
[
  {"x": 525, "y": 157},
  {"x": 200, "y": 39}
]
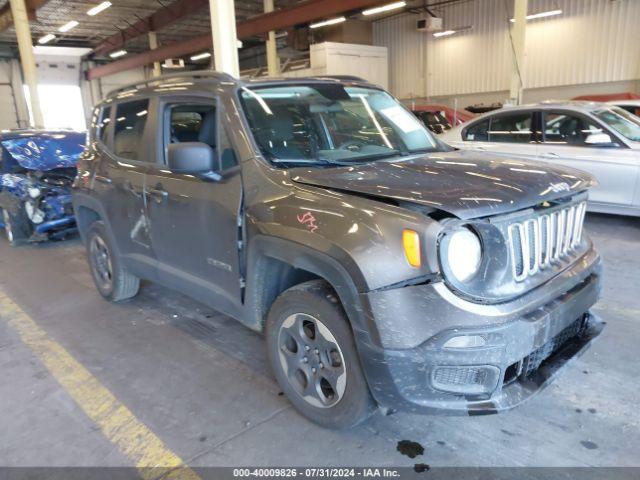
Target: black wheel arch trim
[
  {"x": 81, "y": 200},
  {"x": 343, "y": 276}
]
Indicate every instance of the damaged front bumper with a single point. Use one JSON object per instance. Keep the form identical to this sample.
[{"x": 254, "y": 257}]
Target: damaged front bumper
[
  {"x": 49, "y": 210},
  {"x": 436, "y": 353}
]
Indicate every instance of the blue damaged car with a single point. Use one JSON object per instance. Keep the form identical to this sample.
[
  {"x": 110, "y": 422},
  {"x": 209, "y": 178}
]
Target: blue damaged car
[{"x": 37, "y": 169}]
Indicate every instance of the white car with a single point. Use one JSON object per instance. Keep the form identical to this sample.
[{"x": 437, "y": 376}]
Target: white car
[
  {"x": 598, "y": 138},
  {"x": 631, "y": 106}
]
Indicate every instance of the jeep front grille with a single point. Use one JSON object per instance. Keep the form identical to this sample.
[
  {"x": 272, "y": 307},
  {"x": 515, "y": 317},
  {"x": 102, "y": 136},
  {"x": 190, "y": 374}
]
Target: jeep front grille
[{"x": 538, "y": 242}]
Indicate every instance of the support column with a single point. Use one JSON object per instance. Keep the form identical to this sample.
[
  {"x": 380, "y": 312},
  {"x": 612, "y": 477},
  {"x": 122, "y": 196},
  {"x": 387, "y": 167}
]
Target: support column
[
  {"x": 95, "y": 87},
  {"x": 518, "y": 36},
  {"x": 273, "y": 62},
  {"x": 225, "y": 38},
  {"x": 153, "y": 44},
  {"x": 23, "y": 34}
]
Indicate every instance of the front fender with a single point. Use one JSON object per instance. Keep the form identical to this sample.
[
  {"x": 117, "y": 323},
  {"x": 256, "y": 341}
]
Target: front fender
[{"x": 364, "y": 235}]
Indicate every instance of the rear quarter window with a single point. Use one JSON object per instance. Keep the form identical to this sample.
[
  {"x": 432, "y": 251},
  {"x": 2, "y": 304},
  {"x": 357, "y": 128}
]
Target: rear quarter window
[{"x": 102, "y": 124}]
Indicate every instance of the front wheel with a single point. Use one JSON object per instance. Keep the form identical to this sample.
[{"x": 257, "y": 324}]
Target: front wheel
[
  {"x": 17, "y": 227},
  {"x": 111, "y": 278},
  {"x": 313, "y": 354}
]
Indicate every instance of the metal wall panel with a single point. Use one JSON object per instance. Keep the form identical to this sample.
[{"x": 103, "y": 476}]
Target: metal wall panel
[{"x": 592, "y": 41}]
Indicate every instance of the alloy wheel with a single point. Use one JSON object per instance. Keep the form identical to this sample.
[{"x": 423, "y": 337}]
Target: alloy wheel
[
  {"x": 312, "y": 360},
  {"x": 101, "y": 262}
]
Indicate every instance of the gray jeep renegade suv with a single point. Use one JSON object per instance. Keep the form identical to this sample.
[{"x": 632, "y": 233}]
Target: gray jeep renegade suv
[{"x": 384, "y": 268}]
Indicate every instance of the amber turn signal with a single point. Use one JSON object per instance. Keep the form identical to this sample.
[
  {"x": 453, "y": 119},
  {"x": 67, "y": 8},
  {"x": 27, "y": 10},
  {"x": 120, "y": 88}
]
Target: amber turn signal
[{"x": 411, "y": 244}]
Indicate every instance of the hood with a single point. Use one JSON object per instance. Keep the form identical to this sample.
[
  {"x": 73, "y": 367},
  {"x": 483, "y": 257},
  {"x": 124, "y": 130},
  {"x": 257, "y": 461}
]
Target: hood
[
  {"x": 45, "y": 151},
  {"x": 463, "y": 183}
]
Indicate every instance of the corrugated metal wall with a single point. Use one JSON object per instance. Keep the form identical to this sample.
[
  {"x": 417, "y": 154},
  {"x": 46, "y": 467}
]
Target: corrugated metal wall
[{"x": 592, "y": 41}]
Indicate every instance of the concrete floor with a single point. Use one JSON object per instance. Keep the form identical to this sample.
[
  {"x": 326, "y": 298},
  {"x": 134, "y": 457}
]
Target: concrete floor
[{"x": 201, "y": 382}]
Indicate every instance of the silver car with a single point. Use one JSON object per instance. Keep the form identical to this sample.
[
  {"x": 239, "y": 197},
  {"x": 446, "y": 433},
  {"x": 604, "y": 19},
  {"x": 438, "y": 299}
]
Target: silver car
[{"x": 601, "y": 139}]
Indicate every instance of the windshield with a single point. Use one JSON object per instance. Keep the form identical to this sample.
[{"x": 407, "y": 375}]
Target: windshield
[
  {"x": 331, "y": 123},
  {"x": 621, "y": 121}
]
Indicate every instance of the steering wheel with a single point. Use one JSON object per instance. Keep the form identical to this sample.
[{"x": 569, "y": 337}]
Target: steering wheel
[{"x": 350, "y": 143}]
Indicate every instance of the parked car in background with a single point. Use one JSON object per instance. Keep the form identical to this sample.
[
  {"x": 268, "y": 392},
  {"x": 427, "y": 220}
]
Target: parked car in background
[
  {"x": 631, "y": 106},
  {"x": 479, "y": 108},
  {"x": 608, "y": 97},
  {"x": 601, "y": 139},
  {"x": 37, "y": 169},
  {"x": 384, "y": 267},
  {"x": 439, "y": 118}
]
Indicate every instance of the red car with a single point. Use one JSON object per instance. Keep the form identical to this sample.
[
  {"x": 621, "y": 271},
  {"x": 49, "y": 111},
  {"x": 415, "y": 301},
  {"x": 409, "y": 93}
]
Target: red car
[{"x": 439, "y": 118}]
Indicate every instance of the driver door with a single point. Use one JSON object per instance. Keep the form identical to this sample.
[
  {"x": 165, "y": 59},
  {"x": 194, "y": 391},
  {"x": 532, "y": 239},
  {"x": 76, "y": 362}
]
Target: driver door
[{"x": 193, "y": 219}]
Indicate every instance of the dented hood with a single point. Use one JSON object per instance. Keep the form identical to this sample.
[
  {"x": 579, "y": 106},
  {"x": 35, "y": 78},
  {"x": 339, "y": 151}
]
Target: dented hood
[
  {"x": 463, "y": 183},
  {"x": 44, "y": 150}
]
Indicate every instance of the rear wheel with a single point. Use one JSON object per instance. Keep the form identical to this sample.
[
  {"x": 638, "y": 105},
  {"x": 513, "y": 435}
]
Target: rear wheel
[
  {"x": 17, "y": 226},
  {"x": 111, "y": 278},
  {"x": 313, "y": 354}
]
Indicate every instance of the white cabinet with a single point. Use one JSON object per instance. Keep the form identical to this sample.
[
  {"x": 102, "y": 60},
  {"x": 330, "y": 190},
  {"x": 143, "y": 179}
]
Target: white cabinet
[{"x": 364, "y": 61}]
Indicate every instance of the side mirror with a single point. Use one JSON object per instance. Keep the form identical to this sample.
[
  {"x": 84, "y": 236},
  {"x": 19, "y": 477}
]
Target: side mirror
[
  {"x": 191, "y": 158},
  {"x": 598, "y": 139}
]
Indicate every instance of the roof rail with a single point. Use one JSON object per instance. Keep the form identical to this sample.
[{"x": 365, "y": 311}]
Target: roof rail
[
  {"x": 194, "y": 74},
  {"x": 344, "y": 77}
]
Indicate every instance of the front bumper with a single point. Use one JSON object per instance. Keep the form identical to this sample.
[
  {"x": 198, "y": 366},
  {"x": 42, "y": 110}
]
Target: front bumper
[{"x": 526, "y": 343}]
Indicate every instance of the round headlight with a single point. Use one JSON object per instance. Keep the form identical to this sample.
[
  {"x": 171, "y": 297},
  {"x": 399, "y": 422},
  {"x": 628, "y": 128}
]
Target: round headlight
[{"x": 464, "y": 254}]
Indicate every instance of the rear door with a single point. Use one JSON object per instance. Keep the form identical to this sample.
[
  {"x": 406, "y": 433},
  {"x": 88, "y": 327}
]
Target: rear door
[
  {"x": 615, "y": 166},
  {"x": 194, "y": 220},
  {"x": 122, "y": 139},
  {"x": 513, "y": 134}
]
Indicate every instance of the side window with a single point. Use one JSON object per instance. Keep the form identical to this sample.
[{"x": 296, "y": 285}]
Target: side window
[
  {"x": 198, "y": 123},
  {"x": 102, "y": 127},
  {"x": 566, "y": 129},
  {"x": 192, "y": 123},
  {"x": 511, "y": 128},
  {"x": 131, "y": 118},
  {"x": 478, "y": 132}
]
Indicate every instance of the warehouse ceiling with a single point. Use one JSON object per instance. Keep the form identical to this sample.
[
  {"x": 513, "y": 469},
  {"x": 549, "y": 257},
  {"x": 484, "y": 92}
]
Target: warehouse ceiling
[{"x": 123, "y": 14}]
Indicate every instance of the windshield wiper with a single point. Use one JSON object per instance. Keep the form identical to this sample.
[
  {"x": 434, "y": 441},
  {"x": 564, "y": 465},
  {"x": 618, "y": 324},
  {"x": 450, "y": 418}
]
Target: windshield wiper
[
  {"x": 306, "y": 161},
  {"x": 360, "y": 158}
]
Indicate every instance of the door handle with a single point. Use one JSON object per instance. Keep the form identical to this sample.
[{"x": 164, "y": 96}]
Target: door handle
[
  {"x": 158, "y": 194},
  {"x": 480, "y": 148},
  {"x": 550, "y": 155}
]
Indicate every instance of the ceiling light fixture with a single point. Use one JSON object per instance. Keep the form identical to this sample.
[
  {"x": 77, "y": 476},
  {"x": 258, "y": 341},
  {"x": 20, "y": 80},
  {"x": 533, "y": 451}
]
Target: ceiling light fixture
[
  {"x": 68, "y": 26},
  {"x": 445, "y": 33},
  {"x": 550, "y": 13},
  {"x": 46, "y": 39},
  {"x": 384, "y": 8},
  {"x": 98, "y": 8},
  {"x": 201, "y": 56},
  {"x": 326, "y": 23},
  {"x": 119, "y": 53}
]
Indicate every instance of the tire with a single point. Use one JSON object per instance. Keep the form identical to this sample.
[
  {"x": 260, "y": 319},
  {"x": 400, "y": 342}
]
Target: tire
[
  {"x": 111, "y": 278},
  {"x": 17, "y": 227},
  {"x": 335, "y": 395}
]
